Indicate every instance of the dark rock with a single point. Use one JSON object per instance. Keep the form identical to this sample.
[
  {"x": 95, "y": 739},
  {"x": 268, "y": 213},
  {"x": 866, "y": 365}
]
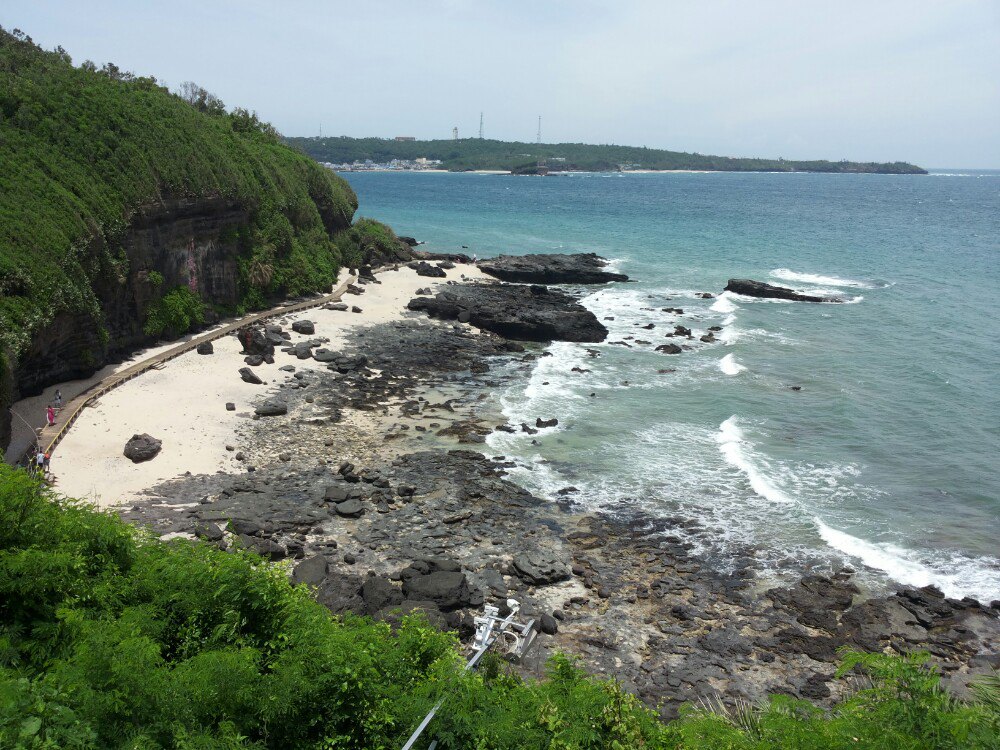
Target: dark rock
[
  {"x": 515, "y": 312},
  {"x": 142, "y": 448},
  {"x": 448, "y": 590},
  {"x": 336, "y": 307},
  {"x": 230, "y": 406},
  {"x": 356, "y": 309},
  {"x": 350, "y": 509},
  {"x": 574, "y": 268},
  {"x": 249, "y": 376},
  {"x": 255, "y": 341},
  {"x": 539, "y": 568},
  {"x": 311, "y": 571},
  {"x": 378, "y": 593},
  {"x": 539, "y": 422},
  {"x": 272, "y": 407},
  {"x": 669, "y": 349},
  {"x": 208, "y": 531},
  {"x": 205, "y": 347},
  {"x": 306, "y": 327},
  {"x": 254, "y": 360},
  {"x": 548, "y": 625},
  {"x": 423, "y": 268},
  {"x": 750, "y": 288}
]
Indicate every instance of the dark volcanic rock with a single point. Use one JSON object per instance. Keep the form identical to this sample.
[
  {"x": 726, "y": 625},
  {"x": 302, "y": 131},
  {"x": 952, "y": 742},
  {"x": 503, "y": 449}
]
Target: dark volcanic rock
[
  {"x": 423, "y": 268},
  {"x": 256, "y": 341},
  {"x": 304, "y": 326},
  {"x": 142, "y": 448},
  {"x": 205, "y": 347},
  {"x": 249, "y": 376},
  {"x": 575, "y": 268},
  {"x": 272, "y": 407},
  {"x": 751, "y": 288},
  {"x": 448, "y": 590},
  {"x": 516, "y": 312},
  {"x": 539, "y": 569},
  {"x": 311, "y": 571},
  {"x": 669, "y": 349}
]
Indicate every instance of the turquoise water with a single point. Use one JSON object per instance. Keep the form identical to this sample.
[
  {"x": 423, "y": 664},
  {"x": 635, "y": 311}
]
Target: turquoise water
[{"x": 887, "y": 458}]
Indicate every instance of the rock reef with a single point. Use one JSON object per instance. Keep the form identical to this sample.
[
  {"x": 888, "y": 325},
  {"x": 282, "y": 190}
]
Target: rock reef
[
  {"x": 557, "y": 268},
  {"x": 751, "y": 288}
]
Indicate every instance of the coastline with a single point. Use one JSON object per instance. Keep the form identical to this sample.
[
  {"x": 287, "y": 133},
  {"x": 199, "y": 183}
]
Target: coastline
[{"x": 377, "y": 469}]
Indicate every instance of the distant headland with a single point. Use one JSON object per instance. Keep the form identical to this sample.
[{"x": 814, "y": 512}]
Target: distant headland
[{"x": 472, "y": 154}]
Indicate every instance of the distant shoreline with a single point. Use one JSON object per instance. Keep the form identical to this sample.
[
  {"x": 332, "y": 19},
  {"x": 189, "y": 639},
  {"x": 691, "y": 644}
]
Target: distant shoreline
[{"x": 623, "y": 171}]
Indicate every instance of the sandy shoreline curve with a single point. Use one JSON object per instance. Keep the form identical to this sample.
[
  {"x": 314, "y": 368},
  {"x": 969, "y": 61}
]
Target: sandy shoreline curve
[{"x": 184, "y": 403}]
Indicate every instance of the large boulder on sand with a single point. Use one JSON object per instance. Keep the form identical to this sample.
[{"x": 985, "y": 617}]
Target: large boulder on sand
[
  {"x": 271, "y": 408},
  {"x": 142, "y": 448},
  {"x": 249, "y": 376}
]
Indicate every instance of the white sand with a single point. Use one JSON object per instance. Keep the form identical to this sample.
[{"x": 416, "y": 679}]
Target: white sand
[{"x": 183, "y": 404}]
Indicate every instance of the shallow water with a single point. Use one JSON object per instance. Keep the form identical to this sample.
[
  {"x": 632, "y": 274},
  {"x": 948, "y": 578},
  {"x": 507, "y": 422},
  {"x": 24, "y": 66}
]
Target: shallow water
[{"x": 888, "y": 455}]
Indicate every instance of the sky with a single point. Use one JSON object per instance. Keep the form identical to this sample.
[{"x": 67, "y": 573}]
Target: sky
[{"x": 879, "y": 80}]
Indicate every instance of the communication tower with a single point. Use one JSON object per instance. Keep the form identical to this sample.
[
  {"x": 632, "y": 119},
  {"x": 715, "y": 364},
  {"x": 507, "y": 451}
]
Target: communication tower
[
  {"x": 538, "y": 137},
  {"x": 454, "y": 133},
  {"x": 480, "y": 126}
]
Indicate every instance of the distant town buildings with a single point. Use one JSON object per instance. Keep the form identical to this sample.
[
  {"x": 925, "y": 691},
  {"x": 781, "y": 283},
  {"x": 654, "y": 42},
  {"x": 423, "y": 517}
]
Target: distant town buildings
[{"x": 396, "y": 165}]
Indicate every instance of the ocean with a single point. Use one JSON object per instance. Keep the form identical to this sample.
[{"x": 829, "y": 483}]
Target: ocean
[{"x": 886, "y": 460}]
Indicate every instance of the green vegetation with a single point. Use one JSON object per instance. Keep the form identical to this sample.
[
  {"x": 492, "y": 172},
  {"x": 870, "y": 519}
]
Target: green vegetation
[
  {"x": 176, "y": 313},
  {"x": 472, "y": 153},
  {"x": 112, "y": 639},
  {"x": 82, "y": 149},
  {"x": 366, "y": 239}
]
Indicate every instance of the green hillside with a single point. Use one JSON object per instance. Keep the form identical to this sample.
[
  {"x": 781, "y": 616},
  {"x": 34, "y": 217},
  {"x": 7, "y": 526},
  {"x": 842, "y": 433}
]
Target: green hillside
[
  {"x": 473, "y": 153},
  {"x": 82, "y": 149}
]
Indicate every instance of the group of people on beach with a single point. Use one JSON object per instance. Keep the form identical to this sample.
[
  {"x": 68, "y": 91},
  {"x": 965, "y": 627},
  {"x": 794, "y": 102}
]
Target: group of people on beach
[
  {"x": 40, "y": 463},
  {"x": 50, "y": 410}
]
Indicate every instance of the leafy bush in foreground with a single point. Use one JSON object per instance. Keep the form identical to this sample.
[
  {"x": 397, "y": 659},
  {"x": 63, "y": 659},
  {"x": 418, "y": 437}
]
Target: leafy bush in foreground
[{"x": 111, "y": 639}]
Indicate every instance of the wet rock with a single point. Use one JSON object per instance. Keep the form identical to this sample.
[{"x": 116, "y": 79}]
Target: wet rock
[
  {"x": 556, "y": 268},
  {"x": 515, "y": 312},
  {"x": 142, "y": 448},
  {"x": 750, "y": 288},
  {"x": 669, "y": 349},
  {"x": 539, "y": 422}
]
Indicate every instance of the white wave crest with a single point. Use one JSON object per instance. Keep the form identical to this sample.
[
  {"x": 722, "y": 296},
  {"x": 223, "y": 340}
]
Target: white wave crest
[
  {"x": 735, "y": 450},
  {"x": 730, "y": 366},
  {"x": 724, "y": 304},
  {"x": 814, "y": 278},
  {"x": 964, "y": 577}
]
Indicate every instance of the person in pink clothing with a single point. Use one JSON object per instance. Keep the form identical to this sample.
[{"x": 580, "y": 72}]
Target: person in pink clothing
[{"x": 50, "y": 415}]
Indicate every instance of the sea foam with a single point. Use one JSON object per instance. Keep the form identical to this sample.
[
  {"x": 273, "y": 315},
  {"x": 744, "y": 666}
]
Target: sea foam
[
  {"x": 730, "y": 366},
  {"x": 964, "y": 577},
  {"x": 787, "y": 274},
  {"x": 737, "y": 452}
]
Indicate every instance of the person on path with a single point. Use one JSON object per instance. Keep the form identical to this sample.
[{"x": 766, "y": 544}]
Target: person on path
[
  {"x": 47, "y": 463},
  {"x": 50, "y": 415},
  {"x": 40, "y": 462},
  {"x": 58, "y": 398}
]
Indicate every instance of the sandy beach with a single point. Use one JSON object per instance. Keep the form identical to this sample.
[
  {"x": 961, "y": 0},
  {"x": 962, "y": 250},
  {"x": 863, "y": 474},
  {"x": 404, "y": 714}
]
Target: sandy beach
[{"x": 184, "y": 403}]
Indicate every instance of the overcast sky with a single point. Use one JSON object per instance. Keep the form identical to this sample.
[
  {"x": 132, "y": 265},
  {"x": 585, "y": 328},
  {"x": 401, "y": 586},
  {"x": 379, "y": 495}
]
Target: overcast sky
[{"x": 876, "y": 80}]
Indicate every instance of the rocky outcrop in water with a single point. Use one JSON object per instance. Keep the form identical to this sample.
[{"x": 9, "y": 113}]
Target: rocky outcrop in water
[
  {"x": 515, "y": 311},
  {"x": 751, "y": 288},
  {"x": 566, "y": 268}
]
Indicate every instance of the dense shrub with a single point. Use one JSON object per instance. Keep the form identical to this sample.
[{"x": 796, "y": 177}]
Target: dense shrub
[
  {"x": 111, "y": 639},
  {"x": 365, "y": 239},
  {"x": 82, "y": 150},
  {"x": 176, "y": 313}
]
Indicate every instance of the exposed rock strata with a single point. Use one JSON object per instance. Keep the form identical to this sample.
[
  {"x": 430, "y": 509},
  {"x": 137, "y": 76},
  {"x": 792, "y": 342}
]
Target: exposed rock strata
[
  {"x": 575, "y": 268},
  {"x": 515, "y": 311},
  {"x": 750, "y": 288}
]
